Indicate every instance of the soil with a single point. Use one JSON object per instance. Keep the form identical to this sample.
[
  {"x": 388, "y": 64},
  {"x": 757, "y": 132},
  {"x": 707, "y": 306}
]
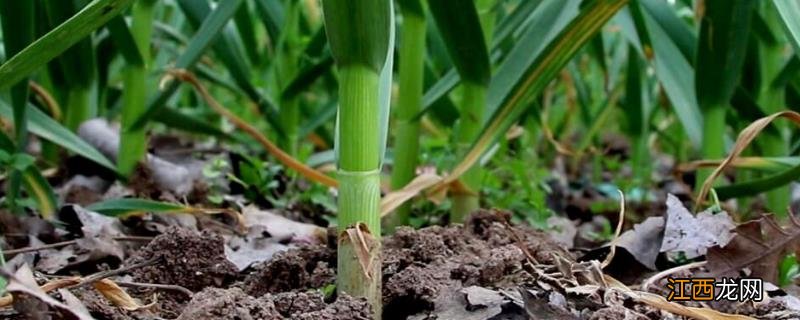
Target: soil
[{"x": 484, "y": 269}]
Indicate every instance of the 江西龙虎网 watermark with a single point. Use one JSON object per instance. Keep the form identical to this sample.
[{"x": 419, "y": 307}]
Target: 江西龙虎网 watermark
[{"x": 708, "y": 289}]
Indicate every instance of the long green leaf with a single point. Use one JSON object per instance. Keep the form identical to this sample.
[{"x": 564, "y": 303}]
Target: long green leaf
[
  {"x": 673, "y": 70},
  {"x": 789, "y": 11},
  {"x": 721, "y": 50},
  {"x": 205, "y": 35},
  {"x": 463, "y": 37},
  {"x": 231, "y": 55},
  {"x": 756, "y": 186},
  {"x": 18, "y": 32},
  {"x": 126, "y": 206},
  {"x": 58, "y": 40},
  {"x": 539, "y": 74},
  {"x": 45, "y": 127},
  {"x": 550, "y": 19}
]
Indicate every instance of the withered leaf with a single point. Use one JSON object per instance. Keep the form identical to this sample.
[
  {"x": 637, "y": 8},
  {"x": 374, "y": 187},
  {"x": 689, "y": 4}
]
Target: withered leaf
[
  {"x": 693, "y": 235},
  {"x": 758, "y": 245}
]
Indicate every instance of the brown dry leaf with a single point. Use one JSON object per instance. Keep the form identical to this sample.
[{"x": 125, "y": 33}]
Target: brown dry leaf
[
  {"x": 661, "y": 303},
  {"x": 56, "y": 284},
  {"x": 364, "y": 246},
  {"x": 396, "y": 198},
  {"x": 118, "y": 296},
  {"x": 22, "y": 281},
  {"x": 758, "y": 245},
  {"x": 745, "y": 138}
]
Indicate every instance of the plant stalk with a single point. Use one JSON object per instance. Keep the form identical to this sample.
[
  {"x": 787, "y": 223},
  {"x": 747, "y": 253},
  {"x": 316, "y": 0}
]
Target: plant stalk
[
  {"x": 406, "y": 146},
  {"x": 78, "y": 108},
  {"x": 472, "y": 107},
  {"x": 713, "y": 139},
  {"x": 289, "y": 112},
  {"x": 359, "y": 177},
  {"x": 133, "y": 140}
]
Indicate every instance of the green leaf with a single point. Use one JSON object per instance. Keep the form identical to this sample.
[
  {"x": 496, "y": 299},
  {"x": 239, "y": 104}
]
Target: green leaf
[
  {"x": 45, "y": 127},
  {"x": 790, "y": 16},
  {"x": 205, "y": 35},
  {"x": 463, "y": 37},
  {"x": 127, "y": 206},
  {"x": 307, "y": 76},
  {"x": 34, "y": 183},
  {"x": 272, "y": 15},
  {"x": 538, "y": 74},
  {"x": 39, "y": 189},
  {"x": 721, "y": 50},
  {"x": 231, "y": 55},
  {"x": 678, "y": 30},
  {"x": 58, "y": 40},
  {"x": 673, "y": 71},
  {"x": 753, "y": 187},
  {"x": 549, "y": 20},
  {"x": 181, "y": 120},
  {"x": 123, "y": 40},
  {"x": 22, "y": 161}
]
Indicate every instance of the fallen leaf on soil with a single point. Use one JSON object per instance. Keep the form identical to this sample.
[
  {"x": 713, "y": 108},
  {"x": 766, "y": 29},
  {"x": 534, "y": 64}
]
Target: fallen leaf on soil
[
  {"x": 644, "y": 241},
  {"x": 7, "y": 300},
  {"x": 280, "y": 227},
  {"x": 23, "y": 282},
  {"x": 758, "y": 245},
  {"x": 694, "y": 235},
  {"x": 97, "y": 243},
  {"x": 118, "y": 296},
  {"x": 267, "y": 234}
]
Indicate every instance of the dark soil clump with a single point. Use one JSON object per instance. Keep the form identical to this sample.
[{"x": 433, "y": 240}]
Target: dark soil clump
[
  {"x": 301, "y": 269},
  {"x": 232, "y": 304},
  {"x": 419, "y": 264},
  {"x": 185, "y": 258}
]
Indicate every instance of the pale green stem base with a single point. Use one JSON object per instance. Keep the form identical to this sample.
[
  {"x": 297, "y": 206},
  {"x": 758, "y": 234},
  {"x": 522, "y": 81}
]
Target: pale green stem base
[{"x": 359, "y": 180}]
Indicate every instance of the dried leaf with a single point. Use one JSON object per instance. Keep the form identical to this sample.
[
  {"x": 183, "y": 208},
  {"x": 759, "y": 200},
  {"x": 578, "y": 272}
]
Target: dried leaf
[
  {"x": 118, "y": 296},
  {"x": 396, "y": 198},
  {"x": 694, "y": 235},
  {"x": 644, "y": 241},
  {"x": 742, "y": 141},
  {"x": 56, "y": 284},
  {"x": 758, "y": 245},
  {"x": 22, "y": 281},
  {"x": 364, "y": 246},
  {"x": 661, "y": 303},
  {"x": 267, "y": 234}
]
